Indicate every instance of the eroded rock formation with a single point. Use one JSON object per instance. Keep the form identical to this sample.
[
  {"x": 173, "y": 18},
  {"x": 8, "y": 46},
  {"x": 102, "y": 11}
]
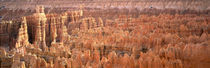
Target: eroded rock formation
[{"x": 77, "y": 39}]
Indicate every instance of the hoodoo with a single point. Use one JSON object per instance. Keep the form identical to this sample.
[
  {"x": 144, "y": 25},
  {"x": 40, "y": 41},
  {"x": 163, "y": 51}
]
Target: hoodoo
[{"x": 104, "y": 34}]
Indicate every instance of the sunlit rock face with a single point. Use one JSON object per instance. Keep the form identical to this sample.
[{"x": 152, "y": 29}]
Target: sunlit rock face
[
  {"x": 39, "y": 25},
  {"x": 22, "y": 37},
  {"x": 105, "y": 34}
]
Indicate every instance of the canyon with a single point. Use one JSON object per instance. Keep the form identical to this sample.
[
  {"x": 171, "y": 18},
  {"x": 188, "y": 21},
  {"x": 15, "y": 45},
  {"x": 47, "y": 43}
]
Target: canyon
[{"x": 104, "y": 34}]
